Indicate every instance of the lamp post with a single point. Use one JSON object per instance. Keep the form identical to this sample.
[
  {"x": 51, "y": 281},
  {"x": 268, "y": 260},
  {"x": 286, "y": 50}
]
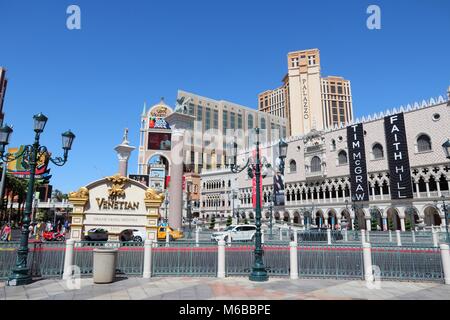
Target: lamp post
[
  {"x": 355, "y": 208},
  {"x": 259, "y": 272},
  {"x": 31, "y": 153},
  {"x": 271, "y": 213},
  {"x": 445, "y": 210},
  {"x": 189, "y": 207},
  {"x": 166, "y": 203}
]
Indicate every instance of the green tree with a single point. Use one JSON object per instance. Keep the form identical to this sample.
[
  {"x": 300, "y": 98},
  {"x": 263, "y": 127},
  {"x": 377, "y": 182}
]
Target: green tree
[
  {"x": 212, "y": 222},
  {"x": 229, "y": 221},
  {"x": 245, "y": 221},
  {"x": 408, "y": 224},
  {"x": 356, "y": 224},
  {"x": 373, "y": 224},
  {"x": 390, "y": 224}
]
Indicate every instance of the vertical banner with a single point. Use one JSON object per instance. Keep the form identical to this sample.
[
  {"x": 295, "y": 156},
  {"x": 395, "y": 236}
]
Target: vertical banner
[
  {"x": 254, "y": 186},
  {"x": 278, "y": 185},
  {"x": 398, "y": 159},
  {"x": 357, "y": 161}
]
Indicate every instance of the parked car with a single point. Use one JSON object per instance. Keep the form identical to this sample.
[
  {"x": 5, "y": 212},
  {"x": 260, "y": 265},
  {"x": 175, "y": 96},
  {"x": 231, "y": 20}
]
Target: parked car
[
  {"x": 132, "y": 235},
  {"x": 243, "y": 232},
  {"x": 173, "y": 234},
  {"x": 96, "y": 234},
  {"x": 319, "y": 234}
]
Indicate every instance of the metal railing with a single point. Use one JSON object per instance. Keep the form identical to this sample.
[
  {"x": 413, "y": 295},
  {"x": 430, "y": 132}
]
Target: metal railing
[
  {"x": 408, "y": 263},
  {"x": 45, "y": 259},
  {"x": 336, "y": 261},
  {"x": 239, "y": 258},
  {"x": 184, "y": 259}
]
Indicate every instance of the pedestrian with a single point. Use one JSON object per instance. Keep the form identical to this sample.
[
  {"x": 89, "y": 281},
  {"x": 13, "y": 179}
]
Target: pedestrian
[
  {"x": 30, "y": 230},
  {"x": 6, "y": 235}
]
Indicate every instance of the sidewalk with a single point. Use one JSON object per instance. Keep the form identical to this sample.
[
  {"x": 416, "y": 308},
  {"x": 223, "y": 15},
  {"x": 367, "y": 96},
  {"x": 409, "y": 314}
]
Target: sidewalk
[{"x": 171, "y": 288}]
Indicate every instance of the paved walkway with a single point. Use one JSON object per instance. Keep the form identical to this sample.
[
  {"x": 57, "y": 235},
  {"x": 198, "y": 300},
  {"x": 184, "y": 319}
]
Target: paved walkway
[{"x": 228, "y": 289}]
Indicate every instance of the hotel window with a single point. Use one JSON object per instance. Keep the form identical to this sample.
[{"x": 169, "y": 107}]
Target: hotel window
[
  {"x": 191, "y": 109},
  {"x": 342, "y": 157},
  {"x": 311, "y": 60},
  {"x": 250, "y": 122},
  {"x": 199, "y": 113},
  {"x": 332, "y": 89},
  {"x": 423, "y": 143},
  {"x": 316, "y": 164},
  {"x": 232, "y": 120},
  {"x": 239, "y": 121},
  {"x": 294, "y": 62},
  {"x": 377, "y": 151},
  {"x": 263, "y": 123},
  {"x": 207, "y": 118},
  {"x": 292, "y": 166},
  {"x": 216, "y": 119},
  {"x": 225, "y": 121}
]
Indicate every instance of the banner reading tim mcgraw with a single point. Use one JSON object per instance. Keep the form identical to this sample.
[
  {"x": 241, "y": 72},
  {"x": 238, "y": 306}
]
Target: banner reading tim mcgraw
[
  {"x": 357, "y": 160},
  {"x": 398, "y": 159}
]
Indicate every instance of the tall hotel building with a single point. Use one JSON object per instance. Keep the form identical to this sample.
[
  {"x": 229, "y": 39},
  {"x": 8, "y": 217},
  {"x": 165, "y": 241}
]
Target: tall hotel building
[
  {"x": 305, "y": 99},
  {"x": 206, "y": 141}
]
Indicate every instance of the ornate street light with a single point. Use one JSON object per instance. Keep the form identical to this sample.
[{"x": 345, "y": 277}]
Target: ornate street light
[
  {"x": 259, "y": 272},
  {"x": 355, "y": 208},
  {"x": 189, "y": 207},
  {"x": 445, "y": 210},
  {"x": 31, "y": 153},
  {"x": 446, "y": 147}
]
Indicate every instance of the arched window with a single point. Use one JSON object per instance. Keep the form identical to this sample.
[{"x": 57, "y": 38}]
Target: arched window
[
  {"x": 250, "y": 121},
  {"x": 229, "y": 183},
  {"x": 423, "y": 143},
  {"x": 377, "y": 151},
  {"x": 263, "y": 123},
  {"x": 342, "y": 157},
  {"x": 292, "y": 166},
  {"x": 316, "y": 164}
]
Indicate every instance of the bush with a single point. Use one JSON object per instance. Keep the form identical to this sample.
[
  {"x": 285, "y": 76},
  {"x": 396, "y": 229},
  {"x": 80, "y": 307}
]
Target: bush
[
  {"x": 229, "y": 221},
  {"x": 212, "y": 223}
]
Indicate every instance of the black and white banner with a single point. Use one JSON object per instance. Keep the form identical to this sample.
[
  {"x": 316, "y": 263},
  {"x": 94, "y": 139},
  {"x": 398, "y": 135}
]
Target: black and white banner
[
  {"x": 398, "y": 159},
  {"x": 278, "y": 183},
  {"x": 357, "y": 161}
]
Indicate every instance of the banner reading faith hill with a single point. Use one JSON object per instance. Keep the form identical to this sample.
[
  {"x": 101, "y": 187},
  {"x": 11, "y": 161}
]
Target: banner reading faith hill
[
  {"x": 398, "y": 159},
  {"x": 357, "y": 161}
]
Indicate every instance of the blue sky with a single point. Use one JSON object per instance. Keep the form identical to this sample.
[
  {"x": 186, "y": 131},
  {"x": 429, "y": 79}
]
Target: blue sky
[{"x": 95, "y": 80}]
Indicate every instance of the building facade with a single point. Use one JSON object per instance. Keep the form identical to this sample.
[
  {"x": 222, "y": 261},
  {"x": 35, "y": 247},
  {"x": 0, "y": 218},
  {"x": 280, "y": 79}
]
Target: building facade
[
  {"x": 306, "y": 100},
  {"x": 399, "y": 173}
]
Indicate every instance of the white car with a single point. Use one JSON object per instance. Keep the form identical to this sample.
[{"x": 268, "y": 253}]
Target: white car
[
  {"x": 132, "y": 235},
  {"x": 243, "y": 232}
]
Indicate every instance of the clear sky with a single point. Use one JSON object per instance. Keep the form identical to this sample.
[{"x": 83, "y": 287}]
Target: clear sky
[{"x": 95, "y": 80}]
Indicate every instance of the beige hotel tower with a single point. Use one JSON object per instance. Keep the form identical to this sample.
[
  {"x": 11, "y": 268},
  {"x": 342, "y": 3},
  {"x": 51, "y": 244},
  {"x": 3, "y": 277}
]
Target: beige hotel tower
[{"x": 305, "y": 99}]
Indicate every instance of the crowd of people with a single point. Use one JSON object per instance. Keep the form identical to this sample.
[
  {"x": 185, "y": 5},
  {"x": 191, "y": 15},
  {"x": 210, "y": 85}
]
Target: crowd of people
[{"x": 36, "y": 229}]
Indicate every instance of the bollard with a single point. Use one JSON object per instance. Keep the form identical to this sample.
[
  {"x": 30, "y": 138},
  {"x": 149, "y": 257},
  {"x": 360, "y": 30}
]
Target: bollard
[
  {"x": 293, "y": 259},
  {"x": 390, "y": 236},
  {"x": 399, "y": 238},
  {"x": 295, "y": 236},
  {"x": 262, "y": 236},
  {"x": 413, "y": 236},
  {"x": 281, "y": 234},
  {"x": 167, "y": 235},
  {"x": 363, "y": 236},
  {"x": 445, "y": 256},
  {"x": 367, "y": 255},
  {"x": 197, "y": 236},
  {"x": 68, "y": 259},
  {"x": 229, "y": 239},
  {"x": 329, "y": 236},
  {"x": 147, "y": 273},
  {"x": 368, "y": 236},
  {"x": 345, "y": 235},
  {"x": 435, "y": 238},
  {"x": 221, "y": 259}
]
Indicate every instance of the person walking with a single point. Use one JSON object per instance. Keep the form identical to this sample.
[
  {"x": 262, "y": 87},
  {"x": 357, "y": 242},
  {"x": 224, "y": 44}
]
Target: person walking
[{"x": 6, "y": 235}]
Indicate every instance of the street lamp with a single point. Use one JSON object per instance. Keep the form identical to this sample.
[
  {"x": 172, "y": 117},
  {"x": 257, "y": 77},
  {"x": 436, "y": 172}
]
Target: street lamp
[
  {"x": 189, "y": 208},
  {"x": 166, "y": 203},
  {"x": 271, "y": 218},
  {"x": 259, "y": 272},
  {"x": 355, "y": 208},
  {"x": 31, "y": 153},
  {"x": 445, "y": 209},
  {"x": 446, "y": 147}
]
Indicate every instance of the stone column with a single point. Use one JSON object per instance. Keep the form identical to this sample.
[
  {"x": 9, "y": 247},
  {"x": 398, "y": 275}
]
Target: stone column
[
  {"x": 445, "y": 256},
  {"x": 368, "y": 224},
  {"x": 221, "y": 259},
  {"x": 147, "y": 272},
  {"x": 68, "y": 259},
  {"x": 417, "y": 190},
  {"x": 79, "y": 200},
  {"x": 294, "y": 262},
  {"x": 402, "y": 224},
  {"x": 123, "y": 153},
  {"x": 176, "y": 179},
  {"x": 367, "y": 258}
]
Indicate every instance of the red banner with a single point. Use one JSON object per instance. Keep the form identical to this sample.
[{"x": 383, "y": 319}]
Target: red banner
[{"x": 254, "y": 186}]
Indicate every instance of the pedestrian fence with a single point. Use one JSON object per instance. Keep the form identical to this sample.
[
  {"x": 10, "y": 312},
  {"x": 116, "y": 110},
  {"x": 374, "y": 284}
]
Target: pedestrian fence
[{"x": 307, "y": 259}]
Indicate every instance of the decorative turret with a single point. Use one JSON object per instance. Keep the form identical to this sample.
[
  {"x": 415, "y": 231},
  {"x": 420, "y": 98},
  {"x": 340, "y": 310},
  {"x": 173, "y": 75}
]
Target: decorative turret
[{"x": 123, "y": 153}]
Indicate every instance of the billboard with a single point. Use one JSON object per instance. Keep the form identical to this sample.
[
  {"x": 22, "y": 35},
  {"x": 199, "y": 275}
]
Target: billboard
[
  {"x": 21, "y": 168},
  {"x": 398, "y": 159},
  {"x": 357, "y": 161},
  {"x": 142, "y": 178},
  {"x": 159, "y": 141}
]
